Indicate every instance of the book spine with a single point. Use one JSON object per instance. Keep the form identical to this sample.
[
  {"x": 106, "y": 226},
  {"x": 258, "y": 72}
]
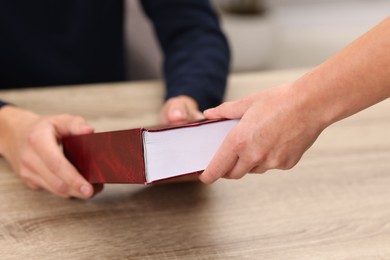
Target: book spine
[{"x": 109, "y": 157}]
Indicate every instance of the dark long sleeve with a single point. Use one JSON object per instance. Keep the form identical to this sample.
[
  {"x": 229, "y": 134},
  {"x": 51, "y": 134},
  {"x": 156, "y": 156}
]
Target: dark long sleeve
[
  {"x": 47, "y": 43},
  {"x": 196, "y": 53}
]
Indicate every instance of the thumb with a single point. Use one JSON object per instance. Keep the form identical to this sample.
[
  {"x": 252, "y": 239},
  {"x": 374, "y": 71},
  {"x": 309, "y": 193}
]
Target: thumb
[
  {"x": 230, "y": 110},
  {"x": 66, "y": 125},
  {"x": 177, "y": 113}
]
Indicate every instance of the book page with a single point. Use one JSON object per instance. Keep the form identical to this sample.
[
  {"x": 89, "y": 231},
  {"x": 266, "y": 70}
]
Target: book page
[{"x": 184, "y": 150}]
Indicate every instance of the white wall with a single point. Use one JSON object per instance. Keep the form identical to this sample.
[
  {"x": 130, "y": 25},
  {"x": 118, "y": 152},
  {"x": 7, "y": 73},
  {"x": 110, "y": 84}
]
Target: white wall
[
  {"x": 300, "y": 33},
  {"x": 143, "y": 54},
  {"x": 291, "y": 34}
]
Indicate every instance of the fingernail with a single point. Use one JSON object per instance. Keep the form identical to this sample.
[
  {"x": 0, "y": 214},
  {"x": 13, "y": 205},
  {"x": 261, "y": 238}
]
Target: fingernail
[{"x": 86, "y": 190}]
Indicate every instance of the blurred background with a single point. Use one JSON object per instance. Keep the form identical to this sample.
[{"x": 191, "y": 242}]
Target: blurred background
[{"x": 266, "y": 34}]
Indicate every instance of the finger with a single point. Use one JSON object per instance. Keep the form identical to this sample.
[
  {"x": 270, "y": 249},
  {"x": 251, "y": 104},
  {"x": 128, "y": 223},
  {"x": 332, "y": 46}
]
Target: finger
[
  {"x": 34, "y": 166},
  {"x": 231, "y": 110},
  {"x": 32, "y": 185},
  {"x": 177, "y": 114},
  {"x": 34, "y": 180},
  {"x": 66, "y": 125},
  {"x": 163, "y": 117},
  {"x": 57, "y": 165},
  {"x": 77, "y": 186},
  {"x": 187, "y": 113},
  {"x": 180, "y": 109},
  {"x": 69, "y": 125},
  {"x": 195, "y": 115},
  {"x": 239, "y": 170},
  {"x": 258, "y": 169},
  {"x": 182, "y": 115},
  {"x": 222, "y": 162}
]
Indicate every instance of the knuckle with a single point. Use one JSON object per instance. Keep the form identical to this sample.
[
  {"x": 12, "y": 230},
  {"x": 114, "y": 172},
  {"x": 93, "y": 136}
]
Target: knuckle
[
  {"x": 74, "y": 180},
  {"x": 258, "y": 170},
  {"x": 213, "y": 175},
  {"x": 37, "y": 132},
  {"x": 256, "y": 158},
  {"x": 281, "y": 162},
  {"x": 26, "y": 160},
  {"x": 60, "y": 187},
  {"x": 54, "y": 165},
  {"x": 24, "y": 175},
  {"x": 287, "y": 165},
  {"x": 274, "y": 163},
  {"x": 239, "y": 143},
  {"x": 75, "y": 184},
  {"x": 33, "y": 138},
  {"x": 236, "y": 176}
]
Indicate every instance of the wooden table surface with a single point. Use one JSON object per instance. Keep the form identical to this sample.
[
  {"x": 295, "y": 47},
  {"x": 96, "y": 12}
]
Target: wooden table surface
[{"x": 335, "y": 204}]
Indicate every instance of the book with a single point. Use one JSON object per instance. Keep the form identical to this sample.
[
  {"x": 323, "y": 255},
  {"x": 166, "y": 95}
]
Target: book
[{"x": 146, "y": 155}]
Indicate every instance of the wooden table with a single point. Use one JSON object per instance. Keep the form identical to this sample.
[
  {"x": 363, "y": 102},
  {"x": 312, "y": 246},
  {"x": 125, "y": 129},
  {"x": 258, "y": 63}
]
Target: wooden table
[{"x": 335, "y": 204}]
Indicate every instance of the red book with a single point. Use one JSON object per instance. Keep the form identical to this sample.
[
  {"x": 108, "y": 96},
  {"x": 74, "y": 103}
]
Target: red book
[{"x": 146, "y": 155}]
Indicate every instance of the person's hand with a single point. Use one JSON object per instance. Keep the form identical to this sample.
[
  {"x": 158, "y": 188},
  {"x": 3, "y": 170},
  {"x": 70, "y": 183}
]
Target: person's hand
[
  {"x": 275, "y": 129},
  {"x": 180, "y": 110},
  {"x": 30, "y": 143}
]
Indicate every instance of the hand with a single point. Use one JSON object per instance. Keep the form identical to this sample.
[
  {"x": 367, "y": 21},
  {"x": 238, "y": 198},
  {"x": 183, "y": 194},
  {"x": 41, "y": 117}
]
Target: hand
[
  {"x": 180, "y": 110},
  {"x": 30, "y": 143},
  {"x": 275, "y": 129}
]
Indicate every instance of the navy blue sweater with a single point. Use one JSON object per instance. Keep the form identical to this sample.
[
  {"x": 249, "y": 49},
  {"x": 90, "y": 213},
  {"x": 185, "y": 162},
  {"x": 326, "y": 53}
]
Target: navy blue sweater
[{"x": 46, "y": 43}]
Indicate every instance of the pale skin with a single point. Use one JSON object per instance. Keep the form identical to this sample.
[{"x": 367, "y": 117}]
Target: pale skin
[
  {"x": 279, "y": 124},
  {"x": 30, "y": 143}
]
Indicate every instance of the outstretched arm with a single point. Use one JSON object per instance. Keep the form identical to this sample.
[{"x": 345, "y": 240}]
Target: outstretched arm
[
  {"x": 279, "y": 124},
  {"x": 196, "y": 53}
]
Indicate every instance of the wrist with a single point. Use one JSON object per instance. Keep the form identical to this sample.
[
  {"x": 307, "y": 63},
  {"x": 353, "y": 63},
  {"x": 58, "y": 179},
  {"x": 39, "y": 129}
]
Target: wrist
[
  {"x": 315, "y": 102},
  {"x": 12, "y": 118}
]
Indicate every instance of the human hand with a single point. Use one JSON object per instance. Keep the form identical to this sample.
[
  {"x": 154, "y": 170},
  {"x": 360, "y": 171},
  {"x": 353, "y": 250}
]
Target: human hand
[
  {"x": 30, "y": 143},
  {"x": 275, "y": 129},
  {"x": 180, "y": 110}
]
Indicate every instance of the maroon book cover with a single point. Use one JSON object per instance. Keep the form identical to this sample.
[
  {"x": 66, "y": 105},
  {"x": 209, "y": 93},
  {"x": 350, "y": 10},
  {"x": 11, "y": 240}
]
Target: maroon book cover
[
  {"x": 112, "y": 157},
  {"x": 108, "y": 157}
]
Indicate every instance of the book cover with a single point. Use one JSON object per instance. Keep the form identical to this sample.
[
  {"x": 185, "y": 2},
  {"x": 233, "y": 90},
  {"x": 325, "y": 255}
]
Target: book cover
[{"x": 145, "y": 155}]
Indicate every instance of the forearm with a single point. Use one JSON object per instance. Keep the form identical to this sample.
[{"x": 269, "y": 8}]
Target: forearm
[
  {"x": 195, "y": 50},
  {"x": 354, "y": 79},
  {"x": 201, "y": 75}
]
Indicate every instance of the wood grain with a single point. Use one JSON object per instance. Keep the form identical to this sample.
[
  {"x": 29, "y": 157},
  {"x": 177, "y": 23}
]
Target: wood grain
[{"x": 333, "y": 205}]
